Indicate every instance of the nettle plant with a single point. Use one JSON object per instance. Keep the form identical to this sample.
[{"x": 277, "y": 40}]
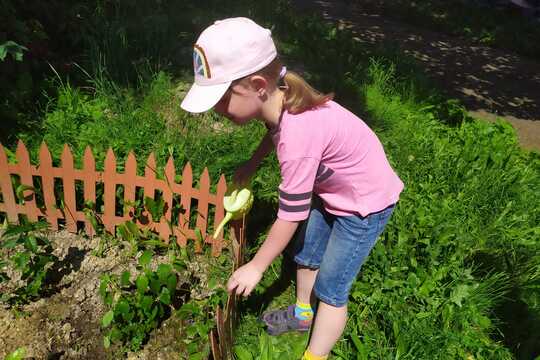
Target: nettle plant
[
  {"x": 137, "y": 304},
  {"x": 30, "y": 255}
]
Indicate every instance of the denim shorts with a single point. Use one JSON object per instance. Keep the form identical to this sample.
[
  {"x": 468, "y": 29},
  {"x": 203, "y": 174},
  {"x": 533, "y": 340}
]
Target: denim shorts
[{"x": 337, "y": 246}]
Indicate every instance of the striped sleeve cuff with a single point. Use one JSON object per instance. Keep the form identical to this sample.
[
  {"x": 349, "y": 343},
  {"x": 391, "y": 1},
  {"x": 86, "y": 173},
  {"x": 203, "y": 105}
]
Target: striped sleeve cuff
[{"x": 294, "y": 206}]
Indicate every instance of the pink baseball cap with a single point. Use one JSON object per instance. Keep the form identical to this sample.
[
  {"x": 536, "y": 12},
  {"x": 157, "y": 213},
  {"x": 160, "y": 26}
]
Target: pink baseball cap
[{"x": 225, "y": 51}]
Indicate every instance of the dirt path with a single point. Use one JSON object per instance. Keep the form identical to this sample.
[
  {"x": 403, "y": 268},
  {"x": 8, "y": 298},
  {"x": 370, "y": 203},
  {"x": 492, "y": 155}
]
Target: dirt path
[{"x": 490, "y": 82}]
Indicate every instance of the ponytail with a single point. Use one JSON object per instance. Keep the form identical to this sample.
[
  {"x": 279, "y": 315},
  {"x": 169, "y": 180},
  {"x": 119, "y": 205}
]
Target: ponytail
[{"x": 299, "y": 95}]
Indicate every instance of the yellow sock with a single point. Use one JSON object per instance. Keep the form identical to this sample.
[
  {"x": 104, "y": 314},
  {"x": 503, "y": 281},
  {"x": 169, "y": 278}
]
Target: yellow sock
[{"x": 308, "y": 355}]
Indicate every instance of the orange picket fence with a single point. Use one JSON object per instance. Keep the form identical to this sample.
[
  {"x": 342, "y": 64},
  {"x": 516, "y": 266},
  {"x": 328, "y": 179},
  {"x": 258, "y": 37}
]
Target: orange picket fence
[{"x": 194, "y": 201}]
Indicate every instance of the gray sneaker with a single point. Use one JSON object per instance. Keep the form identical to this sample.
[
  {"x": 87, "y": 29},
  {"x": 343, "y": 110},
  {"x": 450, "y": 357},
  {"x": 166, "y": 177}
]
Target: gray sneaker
[{"x": 281, "y": 321}]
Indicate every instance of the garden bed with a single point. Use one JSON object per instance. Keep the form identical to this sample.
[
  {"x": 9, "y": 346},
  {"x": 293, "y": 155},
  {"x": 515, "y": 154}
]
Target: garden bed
[{"x": 66, "y": 322}]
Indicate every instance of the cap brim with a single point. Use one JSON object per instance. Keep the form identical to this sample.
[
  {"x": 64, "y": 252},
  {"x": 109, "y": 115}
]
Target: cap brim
[{"x": 202, "y": 98}]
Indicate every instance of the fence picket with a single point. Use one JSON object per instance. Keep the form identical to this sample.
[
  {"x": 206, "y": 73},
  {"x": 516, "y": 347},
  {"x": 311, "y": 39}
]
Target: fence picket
[
  {"x": 89, "y": 178},
  {"x": 9, "y": 206},
  {"x": 187, "y": 193},
  {"x": 168, "y": 191},
  {"x": 202, "y": 206},
  {"x": 45, "y": 170},
  {"x": 149, "y": 185},
  {"x": 68, "y": 182},
  {"x": 109, "y": 197},
  {"x": 25, "y": 172},
  {"x": 130, "y": 183}
]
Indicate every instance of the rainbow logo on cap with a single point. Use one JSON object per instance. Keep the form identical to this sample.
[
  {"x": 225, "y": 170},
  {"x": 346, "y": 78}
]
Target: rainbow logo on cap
[{"x": 200, "y": 63}]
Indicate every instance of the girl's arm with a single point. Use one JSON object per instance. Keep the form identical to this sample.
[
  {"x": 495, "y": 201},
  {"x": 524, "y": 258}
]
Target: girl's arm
[
  {"x": 244, "y": 172},
  {"x": 279, "y": 236},
  {"x": 245, "y": 278}
]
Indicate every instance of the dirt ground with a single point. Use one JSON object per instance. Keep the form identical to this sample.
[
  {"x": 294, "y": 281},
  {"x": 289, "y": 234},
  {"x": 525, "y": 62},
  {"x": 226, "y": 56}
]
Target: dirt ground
[
  {"x": 66, "y": 324},
  {"x": 490, "y": 82}
]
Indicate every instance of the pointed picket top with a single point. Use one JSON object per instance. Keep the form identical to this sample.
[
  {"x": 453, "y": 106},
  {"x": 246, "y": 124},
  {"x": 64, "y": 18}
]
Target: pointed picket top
[
  {"x": 3, "y": 156},
  {"x": 110, "y": 160},
  {"x": 204, "y": 182},
  {"x": 89, "y": 161},
  {"x": 222, "y": 185},
  {"x": 187, "y": 175},
  {"x": 45, "y": 157},
  {"x": 22, "y": 153},
  {"x": 131, "y": 163},
  {"x": 67, "y": 156},
  {"x": 170, "y": 171},
  {"x": 150, "y": 167}
]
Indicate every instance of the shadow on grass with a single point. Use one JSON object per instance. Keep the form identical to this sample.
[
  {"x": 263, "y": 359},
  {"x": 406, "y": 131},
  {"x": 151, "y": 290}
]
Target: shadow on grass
[
  {"x": 256, "y": 303},
  {"x": 520, "y": 327}
]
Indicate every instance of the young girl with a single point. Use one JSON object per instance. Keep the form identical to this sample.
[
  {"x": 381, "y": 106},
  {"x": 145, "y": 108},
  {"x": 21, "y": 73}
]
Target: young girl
[{"x": 337, "y": 184}]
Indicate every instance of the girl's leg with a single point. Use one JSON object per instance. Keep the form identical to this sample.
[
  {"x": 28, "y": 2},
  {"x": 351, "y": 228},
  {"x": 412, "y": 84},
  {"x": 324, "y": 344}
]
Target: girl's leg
[
  {"x": 305, "y": 279},
  {"x": 350, "y": 242},
  {"x": 329, "y": 325}
]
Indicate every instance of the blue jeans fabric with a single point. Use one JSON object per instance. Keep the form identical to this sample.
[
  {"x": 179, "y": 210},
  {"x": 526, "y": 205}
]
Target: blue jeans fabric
[{"x": 337, "y": 246}]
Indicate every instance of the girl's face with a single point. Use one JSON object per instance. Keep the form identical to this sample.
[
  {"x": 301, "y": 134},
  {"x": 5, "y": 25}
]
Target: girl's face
[{"x": 240, "y": 104}]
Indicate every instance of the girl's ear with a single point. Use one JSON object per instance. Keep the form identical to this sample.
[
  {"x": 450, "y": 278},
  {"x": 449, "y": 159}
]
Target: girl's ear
[{"x": 259, "y": 84}]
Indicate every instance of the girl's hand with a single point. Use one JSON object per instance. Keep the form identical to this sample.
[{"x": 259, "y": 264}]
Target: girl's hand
[{"x": 244, "y": 279}]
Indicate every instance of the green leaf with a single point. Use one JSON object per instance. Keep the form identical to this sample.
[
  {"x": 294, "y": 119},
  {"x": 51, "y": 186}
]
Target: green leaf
[
  {"x": 212, "y": 283},
  {"x": 360, "y": 347},
  {"x": 155, "y": 286},
  {"x": 142, "y": 283},
  {"x": 191, "y": 330},
  {"x": 199, "y": 236},
  {"x": 122, "y": 307},
  {"x": 171, "y": 283},
  {"x": 10, "y": 244},
  {"x": 242, "y": 353},
  {"x": 197, "y": 356},
  {"x": 105, "y": 280},
  {"x": 123, "y": 233},
  {"x": 179, "y": 265},
  {"x": 19, "y": 192},
  {"x": 18, "y": 354},
  {"x": 163, "y": 271},
  {"x": 459, "y": 293},
  {"x": 106, "y": 341},
  {"x": 21, "y": 260},
  {"x": 124, "y": 278},
  {"x": 264, "y": 347},
  {"x": 165, "y": 296},
  {"x": 132, "y": 227},
  {"x": 107, "y": 318},
  {"x": 145, "y": 258},
  {"x": 24, "y": 228},
  {"x": 146, "y": 303},
  {"x": 31, "y": 243}
]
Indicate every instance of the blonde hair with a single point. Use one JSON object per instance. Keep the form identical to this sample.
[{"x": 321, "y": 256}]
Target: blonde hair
[{"x": 299, "y": 95}]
